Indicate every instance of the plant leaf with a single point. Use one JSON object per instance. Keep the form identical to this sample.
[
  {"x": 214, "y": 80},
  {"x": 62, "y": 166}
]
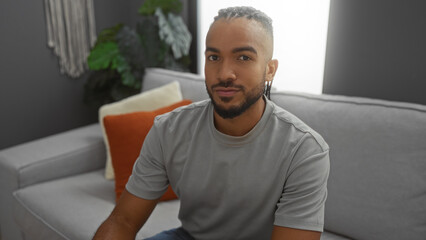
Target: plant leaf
[
  {"x": 147, "y": 29},
  {"x": 98, "y": 86},
  {"x": 172, "y": 64},
  {"x": 128, "y": 79},
  {"x": 103, "y": 56},
  {"x": 130, "y": 47},
  {"x": 149, "y": 6},
  {"x": 125, "y": 71},
  {"x": 131, "y": 62},
  {"x": 108, "y": 34},
  {"x": 174, "y": 32}
]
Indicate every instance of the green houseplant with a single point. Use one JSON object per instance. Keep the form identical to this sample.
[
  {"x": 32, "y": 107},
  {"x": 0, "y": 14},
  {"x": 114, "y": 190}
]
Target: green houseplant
[{"x": 121, "y": 54}]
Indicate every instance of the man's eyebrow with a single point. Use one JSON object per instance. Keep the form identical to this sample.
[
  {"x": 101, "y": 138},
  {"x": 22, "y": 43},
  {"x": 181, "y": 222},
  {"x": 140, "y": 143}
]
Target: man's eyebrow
[
  {"x": 235, "y": 50},
  {"x": 243, "y": 49},
  {"x": 212, "y": 49}
]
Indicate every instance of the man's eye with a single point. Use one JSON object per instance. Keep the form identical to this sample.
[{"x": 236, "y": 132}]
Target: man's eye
[
  {"x": 212, "y": 58},
  {"x": 244, "y": 58}
]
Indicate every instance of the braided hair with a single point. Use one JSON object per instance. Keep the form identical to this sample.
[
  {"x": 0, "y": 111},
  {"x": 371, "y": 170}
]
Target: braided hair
[{"x": 249, "y": 13}]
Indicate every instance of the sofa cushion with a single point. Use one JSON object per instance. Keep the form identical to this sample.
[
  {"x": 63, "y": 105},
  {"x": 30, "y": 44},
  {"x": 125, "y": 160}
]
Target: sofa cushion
[
  {"x": 332, "y": 236},
  {"x": 146, "y": 101},
  {"x": 74, "y": 208},
  {"x": 54, "y": 210},
  {"x": 126, "y": 134},
  {"x": 377, "y": 176}
]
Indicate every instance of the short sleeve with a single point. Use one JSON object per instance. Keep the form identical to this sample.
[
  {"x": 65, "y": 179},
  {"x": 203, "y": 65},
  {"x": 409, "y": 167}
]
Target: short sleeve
[
  {"x": 149, "y": 178},
  {"x": 301, "y": 205}
]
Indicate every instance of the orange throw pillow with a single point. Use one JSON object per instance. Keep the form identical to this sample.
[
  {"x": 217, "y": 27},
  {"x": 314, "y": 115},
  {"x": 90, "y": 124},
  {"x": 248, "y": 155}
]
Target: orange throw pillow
[{"x": 126, "y": 134}]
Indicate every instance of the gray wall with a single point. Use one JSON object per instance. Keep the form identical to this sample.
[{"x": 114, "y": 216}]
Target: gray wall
[
  {"x": 35, "y": 99},
  {"x": 377, "y": 49}
]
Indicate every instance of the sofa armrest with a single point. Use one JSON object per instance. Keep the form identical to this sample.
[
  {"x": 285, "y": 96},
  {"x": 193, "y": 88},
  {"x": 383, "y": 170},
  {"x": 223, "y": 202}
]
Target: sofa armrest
[
  {"x": 64, "y": 154},
  {"x": 61, "y": 155}
]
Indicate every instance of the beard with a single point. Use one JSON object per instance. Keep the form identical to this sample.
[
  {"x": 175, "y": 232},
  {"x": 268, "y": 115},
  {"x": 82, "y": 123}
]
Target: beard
[{"x": 251, "y": 97}]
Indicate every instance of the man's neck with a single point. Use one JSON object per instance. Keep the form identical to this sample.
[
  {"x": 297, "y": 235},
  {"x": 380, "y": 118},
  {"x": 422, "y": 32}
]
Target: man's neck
[{"x": 242, "y": 124}]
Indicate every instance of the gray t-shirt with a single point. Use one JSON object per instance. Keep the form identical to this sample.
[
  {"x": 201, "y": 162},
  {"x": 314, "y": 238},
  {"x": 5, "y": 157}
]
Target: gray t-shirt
[{"x": 235, "y": 187}]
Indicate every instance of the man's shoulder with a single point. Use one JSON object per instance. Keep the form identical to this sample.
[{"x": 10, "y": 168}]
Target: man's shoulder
[
  {"x": 184, "y": 114},
  {"x": 289, "y": 119}
]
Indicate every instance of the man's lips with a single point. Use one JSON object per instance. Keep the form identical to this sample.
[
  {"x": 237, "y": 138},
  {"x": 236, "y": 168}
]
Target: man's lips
[{"x": 226, "y": 92}]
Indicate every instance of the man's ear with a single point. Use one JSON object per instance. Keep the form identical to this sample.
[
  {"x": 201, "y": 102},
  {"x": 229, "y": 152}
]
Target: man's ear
[{"x": 271, "y": 69}]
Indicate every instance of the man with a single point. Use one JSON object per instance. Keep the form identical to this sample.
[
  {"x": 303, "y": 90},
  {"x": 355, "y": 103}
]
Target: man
[{"x": 243, "y": 168}]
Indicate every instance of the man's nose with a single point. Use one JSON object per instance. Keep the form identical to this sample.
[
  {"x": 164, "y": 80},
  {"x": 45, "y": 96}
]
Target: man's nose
[{"x": 227, "y": 72}]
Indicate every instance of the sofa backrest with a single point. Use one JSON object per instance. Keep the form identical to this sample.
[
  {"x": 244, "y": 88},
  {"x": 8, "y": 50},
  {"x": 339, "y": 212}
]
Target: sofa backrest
[
  {"x": 191, "y": 85},
  {"x": 377, "y": 183}
]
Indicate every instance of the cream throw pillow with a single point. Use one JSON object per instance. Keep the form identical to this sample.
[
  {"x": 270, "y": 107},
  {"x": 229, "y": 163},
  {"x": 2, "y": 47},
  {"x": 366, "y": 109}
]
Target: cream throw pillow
[{"x": 146, "y": 101}]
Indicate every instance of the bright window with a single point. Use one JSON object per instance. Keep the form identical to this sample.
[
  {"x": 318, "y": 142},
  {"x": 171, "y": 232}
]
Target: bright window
[{"x": 300, "y": 33}]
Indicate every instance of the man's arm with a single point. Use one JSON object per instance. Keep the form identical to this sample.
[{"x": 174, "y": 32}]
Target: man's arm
[
  {"x": 128, "y": 216},
  {"x": 285, "y": 233}
]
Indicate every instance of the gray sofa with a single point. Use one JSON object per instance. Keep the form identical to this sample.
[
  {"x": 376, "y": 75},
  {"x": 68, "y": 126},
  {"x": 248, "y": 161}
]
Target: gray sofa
[{"x": 54, "y": 188}]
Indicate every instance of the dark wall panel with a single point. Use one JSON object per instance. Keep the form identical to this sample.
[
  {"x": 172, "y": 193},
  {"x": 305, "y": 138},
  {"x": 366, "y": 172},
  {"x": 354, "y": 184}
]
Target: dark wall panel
[
  {"x": 35, "y": 99},
  {"x": 377, "y": 49}
]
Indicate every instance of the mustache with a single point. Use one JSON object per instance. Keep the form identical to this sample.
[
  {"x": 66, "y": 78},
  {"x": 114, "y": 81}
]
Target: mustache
[{"x": 227, "y": 84}]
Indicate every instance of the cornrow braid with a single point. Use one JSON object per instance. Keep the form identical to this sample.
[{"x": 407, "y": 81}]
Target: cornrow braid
[{"x": 249, "y": 13}]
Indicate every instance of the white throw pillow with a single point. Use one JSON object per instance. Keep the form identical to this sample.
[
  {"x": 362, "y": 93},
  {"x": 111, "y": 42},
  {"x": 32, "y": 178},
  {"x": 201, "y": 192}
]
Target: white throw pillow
[{"x": 146, "y": 101}]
